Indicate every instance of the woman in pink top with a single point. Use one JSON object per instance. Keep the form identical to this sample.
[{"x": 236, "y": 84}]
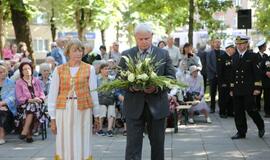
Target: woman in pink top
[
  {"x": 7, "y": 54},
  {"x": 29, "y": 96}
]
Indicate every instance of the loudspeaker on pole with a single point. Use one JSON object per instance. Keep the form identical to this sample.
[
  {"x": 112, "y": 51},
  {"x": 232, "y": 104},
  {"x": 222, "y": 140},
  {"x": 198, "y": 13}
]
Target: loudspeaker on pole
[{"x": 244, "y": 19}]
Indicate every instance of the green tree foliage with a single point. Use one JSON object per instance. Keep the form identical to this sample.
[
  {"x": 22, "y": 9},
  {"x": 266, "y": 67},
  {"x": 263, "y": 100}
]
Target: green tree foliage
[
  {"x": 81, "y": 15},
  {"x": 262, "y": 15},
  {"x": 176, "y": 13}
]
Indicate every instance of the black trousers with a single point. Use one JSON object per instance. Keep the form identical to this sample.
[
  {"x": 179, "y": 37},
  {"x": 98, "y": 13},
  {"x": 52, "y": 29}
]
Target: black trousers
[
  {"x": 6, "y": 120},
  {"x": 242, "y": 104},
  {"x": 204, "y": 82},
  {"x": 258, "y": 100},
  {"x": 156, "y": 135},
  {"x": 213, "y": 92},
  {"x": 266, "y": 98},
  {"x": 225, "y": 101}
]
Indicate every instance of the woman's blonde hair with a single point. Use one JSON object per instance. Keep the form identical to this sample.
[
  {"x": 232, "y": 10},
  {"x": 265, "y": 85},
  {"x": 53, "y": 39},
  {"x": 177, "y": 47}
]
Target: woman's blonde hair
[
  {"x": 73, "y": 42},
  {"x": 2, "y": 66}
]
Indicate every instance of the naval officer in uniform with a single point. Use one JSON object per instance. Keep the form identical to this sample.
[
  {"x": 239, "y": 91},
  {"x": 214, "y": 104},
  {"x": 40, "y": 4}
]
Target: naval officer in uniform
[{"x": 245, "y": 85}]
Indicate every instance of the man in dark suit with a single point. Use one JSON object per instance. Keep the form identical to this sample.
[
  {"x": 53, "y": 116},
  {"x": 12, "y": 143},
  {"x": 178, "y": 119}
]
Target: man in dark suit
[
  {"x": 260, "y": 56},
  {"x": 202, "y": 54},
  {"x": 245, "y": 86},
  {"x": 149, "y": 106},
  {"x": 265, "y": 67},
  {"x": 224, "y": 78},
  {"x": 212, "y": 62}
]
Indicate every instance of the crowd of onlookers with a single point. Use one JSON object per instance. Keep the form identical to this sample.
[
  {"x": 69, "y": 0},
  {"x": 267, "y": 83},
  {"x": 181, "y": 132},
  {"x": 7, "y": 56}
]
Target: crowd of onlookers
[{"x": 24, "y": 87}]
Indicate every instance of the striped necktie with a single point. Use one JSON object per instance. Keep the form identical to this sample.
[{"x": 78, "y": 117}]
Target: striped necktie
[{"x": 143, "y": 54}]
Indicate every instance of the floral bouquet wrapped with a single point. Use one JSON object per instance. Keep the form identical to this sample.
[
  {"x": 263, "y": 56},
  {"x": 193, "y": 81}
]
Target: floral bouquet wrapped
[{"x": 140, "y": 75}]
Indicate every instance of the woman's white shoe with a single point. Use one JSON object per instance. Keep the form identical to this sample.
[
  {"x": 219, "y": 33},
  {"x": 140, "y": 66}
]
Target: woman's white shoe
[
  {"x": 2, "y": 141},
  {"x": 208, "y": 120}
]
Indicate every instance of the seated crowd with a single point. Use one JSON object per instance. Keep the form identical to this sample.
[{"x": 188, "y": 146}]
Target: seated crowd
[{"x": 24, "y": 88}]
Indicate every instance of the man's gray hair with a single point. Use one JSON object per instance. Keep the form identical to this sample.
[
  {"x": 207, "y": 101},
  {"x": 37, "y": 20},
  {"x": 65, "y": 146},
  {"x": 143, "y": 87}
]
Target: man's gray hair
[{"x": 143, "y": 27}]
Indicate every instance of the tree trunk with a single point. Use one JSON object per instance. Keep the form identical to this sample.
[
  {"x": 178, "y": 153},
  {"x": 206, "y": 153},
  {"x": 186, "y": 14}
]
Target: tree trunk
[
  {"x": 130, "y": 29},
  {"x": 80, "y": 23},
  {"x": 21, "y": 25},
  {"x": 190, "y": 21},
  {"x": 117, "y": 31},
  {"x": 102, "y": 32},
  {"x": 1, "y": 28},
  {"x": 53, "y": 28}
]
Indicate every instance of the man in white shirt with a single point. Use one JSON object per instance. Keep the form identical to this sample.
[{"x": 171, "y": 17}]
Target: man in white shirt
[{"x": 174, "y": 52}]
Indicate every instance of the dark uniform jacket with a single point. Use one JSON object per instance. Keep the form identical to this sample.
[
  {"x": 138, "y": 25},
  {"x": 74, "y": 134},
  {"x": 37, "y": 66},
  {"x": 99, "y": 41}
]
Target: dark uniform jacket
[
  {"x": 260, "y": 61},
  {"x": 246, "y": 74},
  {"x": 225, "y": 71},
  {"x": 265, "y": 67}
]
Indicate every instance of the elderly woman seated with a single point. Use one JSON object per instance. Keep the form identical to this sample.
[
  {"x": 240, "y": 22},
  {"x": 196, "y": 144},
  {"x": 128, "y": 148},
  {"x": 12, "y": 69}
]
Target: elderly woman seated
[
  {"x": 7, "y": 103},
  {"x": 29, "y": 96},
  {"x": 196, "y": 91}
]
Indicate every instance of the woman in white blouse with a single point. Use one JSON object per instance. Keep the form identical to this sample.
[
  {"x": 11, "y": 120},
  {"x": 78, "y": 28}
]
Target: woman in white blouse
[{"x": 70, "y": 104}]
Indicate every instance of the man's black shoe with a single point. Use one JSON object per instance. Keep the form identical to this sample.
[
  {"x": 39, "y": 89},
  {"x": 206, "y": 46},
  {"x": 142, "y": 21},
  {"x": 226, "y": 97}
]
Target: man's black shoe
[
  {"x": 29, "y": 140},
  {"x": 261, "y": 133},
  {"x": 238, "y": 136},
  {"x": 21, "y": 136},
  {"x": 223, "y": 116}
]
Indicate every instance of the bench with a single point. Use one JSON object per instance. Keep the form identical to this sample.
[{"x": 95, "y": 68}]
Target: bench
[{"x": 184, "y": 108}]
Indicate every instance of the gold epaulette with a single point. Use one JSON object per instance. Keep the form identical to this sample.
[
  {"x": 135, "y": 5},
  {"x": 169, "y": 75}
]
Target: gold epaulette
[
  {"x": 57, "y": 157},
  {"x": 259, "y": 83}
]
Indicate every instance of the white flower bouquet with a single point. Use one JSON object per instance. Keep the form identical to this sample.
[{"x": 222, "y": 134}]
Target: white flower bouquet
[{"x": 140, "y": 75}]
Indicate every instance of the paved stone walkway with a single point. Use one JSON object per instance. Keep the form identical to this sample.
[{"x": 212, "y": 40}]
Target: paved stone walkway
[{"x": 200, "y": 141}]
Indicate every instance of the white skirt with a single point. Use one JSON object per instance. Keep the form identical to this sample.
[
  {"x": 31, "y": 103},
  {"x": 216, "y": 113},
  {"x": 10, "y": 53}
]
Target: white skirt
[
  {"x": 74, "y": 133},
  {"x": 202, "y": 105}
]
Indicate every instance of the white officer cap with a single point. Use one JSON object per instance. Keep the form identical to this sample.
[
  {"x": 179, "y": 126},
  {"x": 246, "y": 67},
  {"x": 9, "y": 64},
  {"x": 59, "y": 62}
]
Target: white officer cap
[
  {"x": 229, "y": 44},
  {"x": 260, "y": 43},
  {"x": 241, "y": 39}
]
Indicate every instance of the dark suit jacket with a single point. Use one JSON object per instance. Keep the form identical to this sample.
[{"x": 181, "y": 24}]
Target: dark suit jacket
[
  {"x": 212, "y": 63},
  {"x": 202, "y": 55},
  {"x": 158, "y": 104},
  {"x": 246, "y": 74}
]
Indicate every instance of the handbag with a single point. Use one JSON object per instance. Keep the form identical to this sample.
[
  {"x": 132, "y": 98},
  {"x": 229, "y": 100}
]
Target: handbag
[{"x": 106, "y": 98}]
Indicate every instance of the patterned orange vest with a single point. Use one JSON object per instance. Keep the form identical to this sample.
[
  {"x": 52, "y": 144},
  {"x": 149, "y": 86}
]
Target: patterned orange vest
[{"x": 82, "y": 89}]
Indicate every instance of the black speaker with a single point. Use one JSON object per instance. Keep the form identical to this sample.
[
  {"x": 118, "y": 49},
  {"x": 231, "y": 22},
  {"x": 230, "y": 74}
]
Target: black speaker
[{"x": 244, "y": 19}]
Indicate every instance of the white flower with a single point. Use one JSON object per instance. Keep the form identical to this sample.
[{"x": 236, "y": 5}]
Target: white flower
[
  {"x": 147, "y": 60},
  {"x": 92, "y": 54},
  {"x": 139, "y": 65},
  {"x": 267, "y": 63},
  {"x": 143, "y": 77},
  {"x": 126, "y": 58},
  {"x": 131, "y": 77},
  {"x": 123, "y": 74},
  {"x": 153, "y": 75}
]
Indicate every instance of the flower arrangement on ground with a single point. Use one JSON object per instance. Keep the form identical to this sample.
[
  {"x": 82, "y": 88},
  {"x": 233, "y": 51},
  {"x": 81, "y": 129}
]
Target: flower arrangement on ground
[{"x": 140, "y": 74}]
